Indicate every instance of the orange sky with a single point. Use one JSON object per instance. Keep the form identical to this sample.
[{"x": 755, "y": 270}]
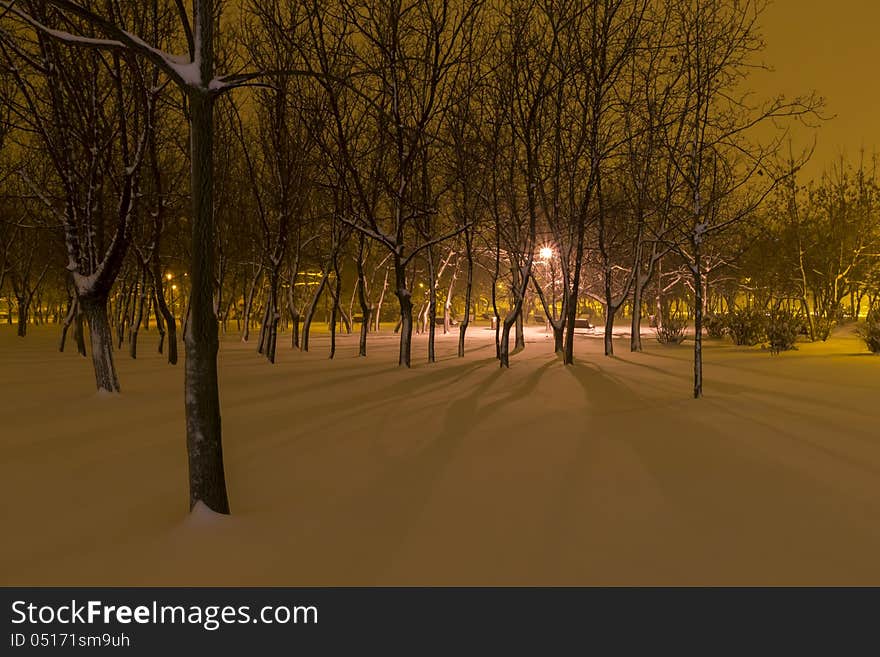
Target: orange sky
[{"x": 833, "y": 48}]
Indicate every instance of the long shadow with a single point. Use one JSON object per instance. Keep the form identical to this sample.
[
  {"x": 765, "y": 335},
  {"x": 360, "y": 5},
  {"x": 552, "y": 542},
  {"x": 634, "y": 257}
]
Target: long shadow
[
  {"x": 799, "y": 438},
  {"x": 385, "y": 512},
  {"x": 414, "y": 384},
  {"x": 568, "y": 543},
  {"x": 652, "y": 368}
]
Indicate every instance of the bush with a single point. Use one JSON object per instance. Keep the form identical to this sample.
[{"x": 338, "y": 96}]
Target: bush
[
  {"x": 672, "y": 331},
  {"x": 870, "y": 332},
  {"x": 746, "y": 326},
  {"x": 782, "y": 330},
  {"x": 715, "y": 325},
  {"x": 823, "y": 327}
]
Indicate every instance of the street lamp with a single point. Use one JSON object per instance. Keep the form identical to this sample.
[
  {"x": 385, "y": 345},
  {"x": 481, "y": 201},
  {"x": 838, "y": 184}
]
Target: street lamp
[{"x": 546, "y": 253}]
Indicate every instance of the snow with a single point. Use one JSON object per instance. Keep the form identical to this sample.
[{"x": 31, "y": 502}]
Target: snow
[
  {"x": 202, "y": 516},
  {"x": 356, "y": 472}
]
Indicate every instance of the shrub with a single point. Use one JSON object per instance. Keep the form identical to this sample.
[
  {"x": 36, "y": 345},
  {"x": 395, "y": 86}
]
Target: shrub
[
  {"x": 715, "y": 325},
  {"x": 823, "y": 327},
  {"x": 746, "y": 326},
  {"x": 782, "y": 330},
  {"x": 870, "y": 332},
  {"x": 672, "y": 331}
]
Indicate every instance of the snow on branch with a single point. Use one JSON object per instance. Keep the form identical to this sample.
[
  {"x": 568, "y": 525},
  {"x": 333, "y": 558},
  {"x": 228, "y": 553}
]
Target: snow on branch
[{"x": 183, "y": 69}]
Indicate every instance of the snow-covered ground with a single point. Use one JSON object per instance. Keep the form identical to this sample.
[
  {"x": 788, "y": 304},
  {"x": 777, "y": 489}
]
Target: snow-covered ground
[{"x": 354, "y": 472}]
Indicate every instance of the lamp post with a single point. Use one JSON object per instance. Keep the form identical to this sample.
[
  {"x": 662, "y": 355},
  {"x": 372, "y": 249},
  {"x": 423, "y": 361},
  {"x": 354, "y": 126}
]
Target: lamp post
[
  {"x": 168, "y": 277},
  {"x": 546, "y": 255}
]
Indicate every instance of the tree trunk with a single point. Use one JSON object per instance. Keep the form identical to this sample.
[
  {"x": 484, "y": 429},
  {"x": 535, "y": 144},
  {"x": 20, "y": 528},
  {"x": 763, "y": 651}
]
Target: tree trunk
[
  {"x": 362, "y": 299},
  {"x": 207, "y": 480},
  {"x": 294, "y": 314},
  {"x": 248, "y": 305},
  {"x": 610, "y": 311},
  {"x": 469, "y": 284},
  {"x": 381, "y": 300},
  {"x": 698, "y": 324},
  {"x": 310, "y": 313},
  {"x": 269, "y": 329},
  {"x": 635, "y": 338},
  {"x": 335, "y": 311},
  {"x": 23, "y": 303},
  {"x": 520, "y": 339},
  {"x": 572, "y": 308},
  {"x": 68, "y": 320},
  {"x": 404, "y": 296},
  {"x": 160, "y": 322},
  {"x": 263, "y": 340},
  {"x": 94, "y": 309},
  {"x": 521, "y": 281},
  {"x": 431, "y": 311},
  {"x": 123, "y": 315},
  {"x": 138, "y": 316}
]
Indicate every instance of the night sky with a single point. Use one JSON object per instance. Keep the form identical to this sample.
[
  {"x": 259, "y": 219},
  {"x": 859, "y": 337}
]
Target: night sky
[{"x": 834, "y": 49}]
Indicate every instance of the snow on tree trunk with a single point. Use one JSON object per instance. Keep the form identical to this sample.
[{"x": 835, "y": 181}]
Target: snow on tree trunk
[
  {"x": 207, "y": 480},
  {"x": 23, "y": 303},
  {"x": 609, "y": 329},
  {"x": 310, "y": 313},
  {"x": 404, "y": 296},
  {"x": 635, "y": 339},
  {"x": 138, "y": 316},
  {"x": 362, "y": 299},
  {"x": 335, "y": 311},
  {"x": 698, "y": 324},
  {"x": 94, "y": 308},
  {"x": 431, "y": 310},
  {"x": 168, "y": 316},
  {"x": 463, "y": 327},
  {"x": 68, "y": 321},
  {"x": 520, "y": 339}
]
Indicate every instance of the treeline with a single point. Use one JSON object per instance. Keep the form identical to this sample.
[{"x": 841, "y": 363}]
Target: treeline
[{"x": 420, "y": 163}]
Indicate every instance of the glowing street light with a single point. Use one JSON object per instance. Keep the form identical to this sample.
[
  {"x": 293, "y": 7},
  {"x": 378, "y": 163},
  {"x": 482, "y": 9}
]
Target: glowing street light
[
  {"x": 168, "y": 276},
  {"x": 546, "y": 253}
]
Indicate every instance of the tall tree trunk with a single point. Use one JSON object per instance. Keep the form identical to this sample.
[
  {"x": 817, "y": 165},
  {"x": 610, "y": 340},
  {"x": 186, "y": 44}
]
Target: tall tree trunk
[
  {"x": 404, "y": 296},
  {"x": 362, "y": 298},
  {"x": 23, "y": 303},
  {"x": 94, "y": 308},
  {"x": 79, "y": 331},
  {"x": 521, "y": 280},
  {"x": 160, "y": 322},
  {"x": 469, "y": 284},
  {"x": 123, "y": 319},
  {"x": 610, "y": 311},
  {"x": 310, "y": 313},
  {"x": 207, "y": 480},
  {"x": 249, "y": 303},
  {"x": 698, "y": 323},
  {"x": 335, "y": 309},
  {"x": 573, "y": 294},
  {"x": 635, "y": 338},
  {"x": 520, "y": 335},
  {"x": 381, "y": 300},
  {"x": 263, "y": 339},
  {"x": 139, "y": 315},
  {"x": 294, "y": 315},
  {"x": 72, "y": 307},
  {"x": 431, "y": 310}
]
